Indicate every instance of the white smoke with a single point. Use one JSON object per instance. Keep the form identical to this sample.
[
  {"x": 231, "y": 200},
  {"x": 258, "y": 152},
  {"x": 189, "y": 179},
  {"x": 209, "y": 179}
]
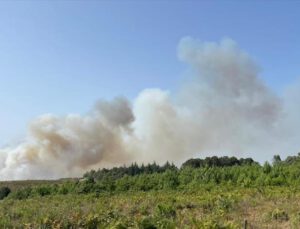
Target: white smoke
[
  {"x": 66, "y": 146},
  {"x": 223, "y": 108}
]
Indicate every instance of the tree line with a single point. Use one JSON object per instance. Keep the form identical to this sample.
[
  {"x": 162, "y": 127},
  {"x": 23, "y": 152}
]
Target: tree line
[
  {"x": 193, "y": 174},
  {"x": 134, "y": 169}
]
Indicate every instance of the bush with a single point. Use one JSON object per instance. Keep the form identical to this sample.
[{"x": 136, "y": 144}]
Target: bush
[
  {"x": 169, "y": 180},
  {"x": 43, "y": 190},
  {"x": 4, "y": 192},
  {"x": 147, "y": 223},
  {"x": 166, "y": 211},
  {"x": 22, "y": 194},
  {"x": 279, "y": 215}
]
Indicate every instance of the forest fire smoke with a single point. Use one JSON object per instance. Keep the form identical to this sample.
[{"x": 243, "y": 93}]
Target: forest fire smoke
[{"x": 223, "y": 107}]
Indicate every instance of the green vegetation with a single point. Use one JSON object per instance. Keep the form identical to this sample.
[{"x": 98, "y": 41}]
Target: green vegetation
[
  {"x": 4, "y": 191},
  {"x": 204, "y": 193}
]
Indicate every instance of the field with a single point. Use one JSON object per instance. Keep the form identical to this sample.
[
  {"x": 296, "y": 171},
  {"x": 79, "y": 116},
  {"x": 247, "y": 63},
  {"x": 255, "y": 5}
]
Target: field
[
  {"x": 222, "y": 207},
  {"x": 238, "y": 196},
  {"x": 16, "y": 185}
]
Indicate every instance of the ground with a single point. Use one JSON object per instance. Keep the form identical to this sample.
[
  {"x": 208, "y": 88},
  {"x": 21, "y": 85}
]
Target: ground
[{"x": 207, "y": 207}]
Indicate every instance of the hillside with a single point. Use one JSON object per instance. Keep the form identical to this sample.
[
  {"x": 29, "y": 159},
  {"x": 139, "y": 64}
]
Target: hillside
[{"x": 203, "y": 193}]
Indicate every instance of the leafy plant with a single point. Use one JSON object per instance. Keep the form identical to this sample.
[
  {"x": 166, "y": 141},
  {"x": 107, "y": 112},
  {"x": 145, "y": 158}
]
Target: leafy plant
[{"x": 4, "y": 192}]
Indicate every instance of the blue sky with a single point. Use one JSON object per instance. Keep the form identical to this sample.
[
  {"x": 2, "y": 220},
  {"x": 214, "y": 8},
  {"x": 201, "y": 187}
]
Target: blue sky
[{"x": 60, "y": 57}]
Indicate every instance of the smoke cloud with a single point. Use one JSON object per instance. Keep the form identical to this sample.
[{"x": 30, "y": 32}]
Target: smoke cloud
[{"x": 223, "y": 107}]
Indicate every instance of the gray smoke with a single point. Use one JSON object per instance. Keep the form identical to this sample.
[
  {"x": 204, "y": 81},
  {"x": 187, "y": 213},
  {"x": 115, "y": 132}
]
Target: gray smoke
[{"x": 223, "y": 107}]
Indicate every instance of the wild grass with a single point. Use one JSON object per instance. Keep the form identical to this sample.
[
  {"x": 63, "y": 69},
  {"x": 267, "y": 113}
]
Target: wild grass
[
  {"x": 220, "y": 207},
  {"x": 167, "y": 197}
]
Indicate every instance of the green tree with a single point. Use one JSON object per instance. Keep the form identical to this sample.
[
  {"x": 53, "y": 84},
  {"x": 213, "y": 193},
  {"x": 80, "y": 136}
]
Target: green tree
[
  {"x": 276, "y": 160},
  {"x": 267, "y": 168}
]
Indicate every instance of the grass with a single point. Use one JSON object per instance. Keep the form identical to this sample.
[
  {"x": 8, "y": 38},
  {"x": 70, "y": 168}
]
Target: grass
[
  {"x": 209, "y": 197},
  {"x": 207, "y": 207},
  {"x": 15, "y": 185}
]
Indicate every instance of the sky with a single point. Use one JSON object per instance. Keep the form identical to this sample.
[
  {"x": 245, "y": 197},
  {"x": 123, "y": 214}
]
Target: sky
[{"x": 62, "y": 56}]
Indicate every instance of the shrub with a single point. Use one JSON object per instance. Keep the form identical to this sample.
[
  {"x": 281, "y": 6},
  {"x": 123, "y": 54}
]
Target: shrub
[
  {"x": 279, "y": 215},
  {"x": 21, "y": 194},
  {"x": 147, "y": 223},
  {"x": 4, "y": 192},
  {"x": 166, "y": 210},
  {"x": 169, "y": 180},
  {"x": 43, "y": 190}
]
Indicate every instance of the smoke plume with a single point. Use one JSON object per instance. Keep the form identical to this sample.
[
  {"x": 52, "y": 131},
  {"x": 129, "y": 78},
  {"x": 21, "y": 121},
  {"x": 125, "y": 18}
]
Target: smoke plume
[{"x": 223, "y": 107}]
